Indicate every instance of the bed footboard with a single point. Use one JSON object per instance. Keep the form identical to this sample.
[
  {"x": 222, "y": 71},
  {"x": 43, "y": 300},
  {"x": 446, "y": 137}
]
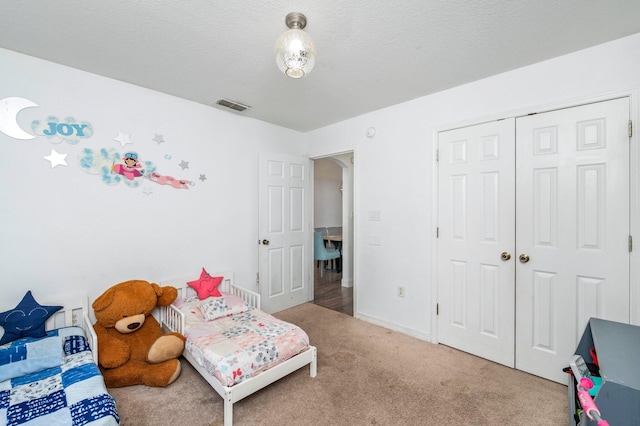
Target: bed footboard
[
  {"x": 91, "y": 335},
  {"x": 172, "y": 319},
  {"x": 233, "y": 394}
]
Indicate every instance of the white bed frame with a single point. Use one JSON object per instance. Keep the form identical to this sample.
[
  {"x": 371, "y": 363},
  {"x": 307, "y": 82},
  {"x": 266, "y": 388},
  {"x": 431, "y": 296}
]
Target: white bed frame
[{"x": 173, "y": 320}]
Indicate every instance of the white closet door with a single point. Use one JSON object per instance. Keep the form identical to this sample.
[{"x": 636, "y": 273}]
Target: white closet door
[
  {"x": 572, "y": 219},
  {"x": 476, "y": 225}
]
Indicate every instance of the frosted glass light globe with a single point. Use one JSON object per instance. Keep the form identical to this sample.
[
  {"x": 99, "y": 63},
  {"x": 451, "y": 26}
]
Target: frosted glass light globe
[{"x": 295, "y": 53}]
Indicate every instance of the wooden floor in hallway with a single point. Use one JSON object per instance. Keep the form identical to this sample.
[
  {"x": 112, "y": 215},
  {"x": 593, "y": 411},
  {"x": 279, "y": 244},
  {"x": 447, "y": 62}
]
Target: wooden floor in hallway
[{"x": 329, "y": 293}]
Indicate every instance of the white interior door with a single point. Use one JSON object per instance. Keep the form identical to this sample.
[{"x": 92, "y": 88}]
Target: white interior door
[
  {"x": 553, "y": 188},
  {"x": 284, "y": 231},
  {"x": 573, "y": 224},
  {"x": 476, "y": 225}
]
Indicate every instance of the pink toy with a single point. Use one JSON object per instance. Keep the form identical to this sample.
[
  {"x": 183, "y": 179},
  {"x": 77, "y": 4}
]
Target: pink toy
[{"x": 588, "y": 405}]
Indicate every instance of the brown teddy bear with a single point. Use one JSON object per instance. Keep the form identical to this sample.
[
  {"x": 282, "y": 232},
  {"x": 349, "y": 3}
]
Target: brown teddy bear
[{"x": 132, "y": 348}]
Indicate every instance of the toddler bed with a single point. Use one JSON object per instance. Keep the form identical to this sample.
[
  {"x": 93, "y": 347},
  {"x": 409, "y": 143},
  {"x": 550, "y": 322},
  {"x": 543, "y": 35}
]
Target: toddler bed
[
  {"x": 237, "y": 348},
  {"x": 54, "y": 379}
]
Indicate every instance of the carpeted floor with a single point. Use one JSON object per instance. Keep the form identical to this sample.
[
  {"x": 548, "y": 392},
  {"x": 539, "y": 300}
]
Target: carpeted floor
[{"x": 367, "y": 375}]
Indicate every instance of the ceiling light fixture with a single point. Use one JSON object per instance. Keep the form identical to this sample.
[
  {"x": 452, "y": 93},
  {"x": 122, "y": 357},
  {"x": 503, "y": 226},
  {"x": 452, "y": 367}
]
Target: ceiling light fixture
[{"x": 295, "y": 52}]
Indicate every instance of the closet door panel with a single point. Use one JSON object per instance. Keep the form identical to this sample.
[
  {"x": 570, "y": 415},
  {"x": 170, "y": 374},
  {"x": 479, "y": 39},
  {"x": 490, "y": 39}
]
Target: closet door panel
[
  {"x": 476, "y": 225},
  {"x": 572, "y": 218}
]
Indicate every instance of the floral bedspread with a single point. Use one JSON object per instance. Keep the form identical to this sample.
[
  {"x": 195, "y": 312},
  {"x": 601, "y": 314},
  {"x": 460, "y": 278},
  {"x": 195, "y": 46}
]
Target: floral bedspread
[{"x": 236, "y": 347}]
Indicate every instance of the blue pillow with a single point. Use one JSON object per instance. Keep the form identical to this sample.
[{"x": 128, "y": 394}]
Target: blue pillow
[{"x": 25, "y": 320}]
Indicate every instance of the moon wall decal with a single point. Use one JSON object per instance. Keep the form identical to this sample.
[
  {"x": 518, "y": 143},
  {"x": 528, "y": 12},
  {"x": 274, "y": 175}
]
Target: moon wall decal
[{"x": 9, "y": 110}]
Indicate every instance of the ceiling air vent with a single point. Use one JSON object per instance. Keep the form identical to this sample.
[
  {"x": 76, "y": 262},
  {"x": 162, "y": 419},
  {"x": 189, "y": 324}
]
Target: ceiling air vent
[{"x": 231, "y": 104}]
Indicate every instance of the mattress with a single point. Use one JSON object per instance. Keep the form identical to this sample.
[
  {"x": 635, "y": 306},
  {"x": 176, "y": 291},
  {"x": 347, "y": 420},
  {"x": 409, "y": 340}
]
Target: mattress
[{"x": 234, "y": 341}]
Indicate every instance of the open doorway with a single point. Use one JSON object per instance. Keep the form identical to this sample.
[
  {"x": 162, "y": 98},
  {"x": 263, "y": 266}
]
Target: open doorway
[{"x": 333, "y": 218}]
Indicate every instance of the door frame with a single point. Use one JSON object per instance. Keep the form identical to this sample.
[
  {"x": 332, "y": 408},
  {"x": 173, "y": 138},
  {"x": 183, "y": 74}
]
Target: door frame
[
  {"x": 349, "y": 187},
  {"x": 634, "y": 191}
]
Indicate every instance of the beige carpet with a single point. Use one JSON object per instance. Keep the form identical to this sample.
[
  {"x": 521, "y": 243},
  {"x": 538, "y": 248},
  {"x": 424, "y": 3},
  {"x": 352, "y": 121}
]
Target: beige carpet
[{"x": 367, "y": 375}]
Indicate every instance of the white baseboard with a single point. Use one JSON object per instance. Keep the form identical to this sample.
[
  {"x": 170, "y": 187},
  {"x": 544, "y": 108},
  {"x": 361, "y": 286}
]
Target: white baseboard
[
  {"x": 347, "y": 282},
  {"x": 395, "y": 327}
]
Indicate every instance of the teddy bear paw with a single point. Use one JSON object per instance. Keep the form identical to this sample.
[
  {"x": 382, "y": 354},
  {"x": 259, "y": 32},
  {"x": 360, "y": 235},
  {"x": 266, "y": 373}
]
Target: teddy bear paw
[{"x": 165, "y": 348}]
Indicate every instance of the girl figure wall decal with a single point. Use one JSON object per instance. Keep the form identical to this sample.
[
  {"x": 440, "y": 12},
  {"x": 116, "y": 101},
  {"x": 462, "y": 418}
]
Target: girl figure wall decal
[{"x": 131, "y": 168}]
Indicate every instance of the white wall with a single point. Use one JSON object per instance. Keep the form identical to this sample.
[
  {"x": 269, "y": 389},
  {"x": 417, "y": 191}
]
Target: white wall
[
  {"x": 394, "y": 170},
  {"x": 327, "y": 198},
  {"x": 63, "y": 231}
]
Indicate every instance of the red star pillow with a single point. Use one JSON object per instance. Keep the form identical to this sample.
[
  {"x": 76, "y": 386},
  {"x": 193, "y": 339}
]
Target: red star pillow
[{"x": 206, "y": 285}]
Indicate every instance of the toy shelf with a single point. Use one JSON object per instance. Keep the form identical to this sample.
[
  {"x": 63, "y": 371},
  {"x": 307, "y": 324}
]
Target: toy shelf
[{"x": 617, "y": 348}]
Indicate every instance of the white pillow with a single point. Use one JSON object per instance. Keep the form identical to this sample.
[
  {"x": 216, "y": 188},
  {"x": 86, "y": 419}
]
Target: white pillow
[{"x": 213, "y": 308}]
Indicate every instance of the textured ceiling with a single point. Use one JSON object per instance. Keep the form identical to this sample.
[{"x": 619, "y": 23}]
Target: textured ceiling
[{"x": 371, "y": 53}]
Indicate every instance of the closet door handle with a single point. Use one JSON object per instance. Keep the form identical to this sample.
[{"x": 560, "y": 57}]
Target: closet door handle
[
  {"x": 524, "y": 258},
  {"x": 505, "y": 256}
]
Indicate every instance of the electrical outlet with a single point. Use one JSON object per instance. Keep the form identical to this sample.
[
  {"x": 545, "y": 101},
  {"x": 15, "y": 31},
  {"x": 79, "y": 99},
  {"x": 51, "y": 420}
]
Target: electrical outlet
[{"x": 400, "y": 291}]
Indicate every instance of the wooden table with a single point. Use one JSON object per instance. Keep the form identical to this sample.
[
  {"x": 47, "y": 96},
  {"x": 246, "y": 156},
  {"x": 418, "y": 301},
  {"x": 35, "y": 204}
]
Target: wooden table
[{"x": 333, "y": 238}]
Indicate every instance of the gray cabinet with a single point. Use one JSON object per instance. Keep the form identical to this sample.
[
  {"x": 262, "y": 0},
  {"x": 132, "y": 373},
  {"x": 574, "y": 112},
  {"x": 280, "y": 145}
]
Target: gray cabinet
[{"x": 617, "y": 348}]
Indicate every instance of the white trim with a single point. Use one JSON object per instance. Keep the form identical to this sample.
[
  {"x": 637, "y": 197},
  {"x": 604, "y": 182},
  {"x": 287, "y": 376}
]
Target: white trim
[
  {"x": 346, "y": 282},
  {"x": 395, "y": 327},
  {"x": 356, "y": 227},
  {"x": 634, "y": 209},
  {"x": 434, "y": 240}
]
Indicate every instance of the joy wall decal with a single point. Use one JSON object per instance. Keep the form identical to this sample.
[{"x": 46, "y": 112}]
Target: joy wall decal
[{"x": 105, "y": 162}]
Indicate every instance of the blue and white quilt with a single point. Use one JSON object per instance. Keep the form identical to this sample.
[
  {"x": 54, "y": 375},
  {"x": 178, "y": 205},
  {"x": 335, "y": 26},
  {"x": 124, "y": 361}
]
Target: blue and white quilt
[{"x": 53, "y": 381}]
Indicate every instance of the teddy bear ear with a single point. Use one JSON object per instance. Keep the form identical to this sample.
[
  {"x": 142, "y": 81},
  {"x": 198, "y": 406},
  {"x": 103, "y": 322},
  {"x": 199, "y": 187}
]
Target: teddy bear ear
[
  {"x": 157, "y": 289},
  {"x": 103, "y": 301},
  {"x": 167, "y": 296}
]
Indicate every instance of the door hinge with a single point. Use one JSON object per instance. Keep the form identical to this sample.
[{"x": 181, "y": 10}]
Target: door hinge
[
  {"x": 630, "y": 243},
  {"x": 630, "y": 128},
  {"x": 437, "y": 155},
  {"x": 437, "y": 309},
  {"x": 437, "y": 232}
]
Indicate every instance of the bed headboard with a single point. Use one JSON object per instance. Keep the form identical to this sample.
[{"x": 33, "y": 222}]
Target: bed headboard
[
  {"x": 185, "y": 291},
  {"x": 227, "y": 285},
  {"x": 72, "y": 313}
]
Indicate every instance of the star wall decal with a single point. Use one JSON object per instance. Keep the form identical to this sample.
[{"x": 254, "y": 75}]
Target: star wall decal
[
  {"x": 158, "y": 139},
  {"x": 123, "y": 138},
  {"x": 56, "y": 159},
  {"x": 184, "y": 164},
  {"x": 202, "y": 178}
]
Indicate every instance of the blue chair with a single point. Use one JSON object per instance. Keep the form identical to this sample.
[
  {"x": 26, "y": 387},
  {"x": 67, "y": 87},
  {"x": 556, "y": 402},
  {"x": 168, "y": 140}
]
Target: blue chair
[{"x": 321, "y": 252}]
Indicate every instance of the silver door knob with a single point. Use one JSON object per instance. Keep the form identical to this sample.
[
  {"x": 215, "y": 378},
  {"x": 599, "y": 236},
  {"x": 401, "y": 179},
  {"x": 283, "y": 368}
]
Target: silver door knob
[
  {"x": 524, "y": 258},
  {"x": 265, "y": 242},
  {"x": 505, "y": 256}
]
